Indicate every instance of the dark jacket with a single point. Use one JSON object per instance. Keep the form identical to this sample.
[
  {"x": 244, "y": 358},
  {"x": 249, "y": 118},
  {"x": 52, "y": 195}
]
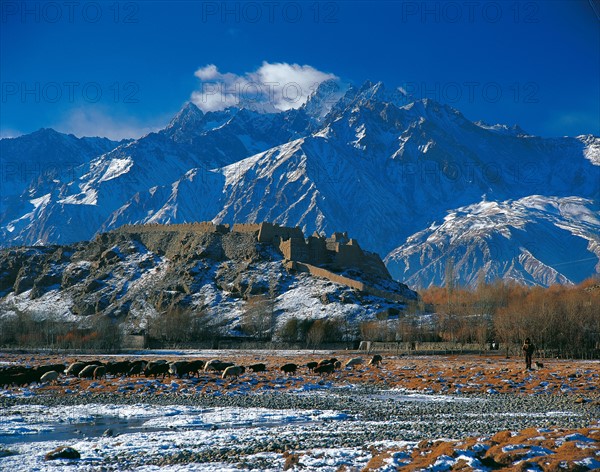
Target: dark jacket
[{"x": 528, "y": 348}]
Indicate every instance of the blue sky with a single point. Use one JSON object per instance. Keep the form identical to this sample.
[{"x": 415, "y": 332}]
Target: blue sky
[{"x": 124, "y": 68}]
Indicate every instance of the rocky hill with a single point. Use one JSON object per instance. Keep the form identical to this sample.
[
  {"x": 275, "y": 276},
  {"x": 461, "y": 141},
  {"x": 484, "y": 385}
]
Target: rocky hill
[{"x": 138, "y": 273}]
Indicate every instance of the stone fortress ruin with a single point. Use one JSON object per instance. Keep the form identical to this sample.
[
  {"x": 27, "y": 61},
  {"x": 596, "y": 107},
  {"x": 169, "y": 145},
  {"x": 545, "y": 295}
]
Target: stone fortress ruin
[
  {"x": 338, "y": 252},
  {"x": 337, "y": 258}
]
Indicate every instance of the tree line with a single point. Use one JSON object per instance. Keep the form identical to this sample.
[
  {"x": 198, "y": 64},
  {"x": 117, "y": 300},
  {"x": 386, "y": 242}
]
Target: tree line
[{"x": 561, "y": 320}]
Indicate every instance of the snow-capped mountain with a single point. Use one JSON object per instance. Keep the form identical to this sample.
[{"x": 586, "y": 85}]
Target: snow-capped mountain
[
  {"x": 32, "y": 164},
  {"x": 367, "y": 159},
  {"x": 533, "y": 240}
]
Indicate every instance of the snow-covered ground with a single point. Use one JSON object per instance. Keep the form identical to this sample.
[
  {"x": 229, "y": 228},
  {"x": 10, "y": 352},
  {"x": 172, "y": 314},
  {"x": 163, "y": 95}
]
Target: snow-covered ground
[
  {"x": 175, "y": 437},
  {"x": 149, "y": 432},
  {"x": 357, "y": 418}
]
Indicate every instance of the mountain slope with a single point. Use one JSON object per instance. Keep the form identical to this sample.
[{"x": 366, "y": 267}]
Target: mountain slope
[{"x": 366, "y": 159}]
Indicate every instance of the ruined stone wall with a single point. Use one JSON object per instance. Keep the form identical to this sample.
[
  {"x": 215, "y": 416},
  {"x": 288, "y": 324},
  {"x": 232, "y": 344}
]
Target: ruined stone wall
[
  {"x": 269, "y": 232},
  {"x": 294, "y": 249},
  {"x": 327, "y": 274},
  {"x": 332, "y": 245},
  {"x": 340, "y": 279},
  {"x": 349, "y": 255},
  {"x": 246, "y": 228},
  {"x": 285, "y": 247},
  {"x": 317, "y": 251},
  {"x": 199, "y": 227}
]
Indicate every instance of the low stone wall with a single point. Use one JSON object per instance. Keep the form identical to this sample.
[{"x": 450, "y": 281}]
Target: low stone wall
[
  {"x": 246, "y": 228},
  {"x": 422, "y": 347},
  {"x": 340, "y": 279},
  {"x": 201, "y": 227},
  {"x": 512, "y": 350},
  {"x": 134, "y": 341}
]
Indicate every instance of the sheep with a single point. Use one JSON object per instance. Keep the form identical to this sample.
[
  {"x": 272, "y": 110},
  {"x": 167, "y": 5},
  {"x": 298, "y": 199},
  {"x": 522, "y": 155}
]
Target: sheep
[
  {"x": 194, "y": 367},
  {"x": 42, "y": 369},
  {"x": 233, "y": 371},
  {"x": 118, "y": 368},
  {"x": 325, "y": 369},
  {"x": 376, "y": 360},
  {"x": 181, "y": 368},
  {"x": 87, "y": 372},
  {"x": 209, "y": 365},
  {"x": 23, "y": 378},
  {"x": 99, "y": 372},
  {"x": 50, "y": 376},
  {"x": 216, "y": 364},
  {"x": 178, "y": 368},
  {"x": 75, "y": 368},
  {"x": 258, "y": 367},
  {"x": 354, "y": 362},
  {"x": 156, "y": 362},
  {"x": 155, "y": 369},
  {"x": 7, "y": 374},
  {"x": 137, "y": 367},
  {"x": 289, "y": 368}
]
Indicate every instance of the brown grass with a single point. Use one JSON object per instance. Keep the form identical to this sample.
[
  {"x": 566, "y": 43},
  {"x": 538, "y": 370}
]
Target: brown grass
[
  {"x": 437, "y": 374},
  {"x": 565, "y": 453}
]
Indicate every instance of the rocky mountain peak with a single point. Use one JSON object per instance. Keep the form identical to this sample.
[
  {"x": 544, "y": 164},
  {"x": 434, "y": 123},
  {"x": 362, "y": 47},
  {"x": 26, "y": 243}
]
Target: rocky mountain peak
[{"x": 187, "y": 118}]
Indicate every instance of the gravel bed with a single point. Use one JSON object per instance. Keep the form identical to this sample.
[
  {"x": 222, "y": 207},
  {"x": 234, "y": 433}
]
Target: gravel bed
[{"x": 372, "y": 416}]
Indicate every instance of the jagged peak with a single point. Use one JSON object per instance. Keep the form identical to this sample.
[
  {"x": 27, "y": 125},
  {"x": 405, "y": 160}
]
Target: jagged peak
[
  {"x": 369, "y": 93},
  {"x": 428, "y": 108},
  {"x": 514, "y": 130},
  {"x": 189, "y": 114},
  {"x": 324, "y": 98}
]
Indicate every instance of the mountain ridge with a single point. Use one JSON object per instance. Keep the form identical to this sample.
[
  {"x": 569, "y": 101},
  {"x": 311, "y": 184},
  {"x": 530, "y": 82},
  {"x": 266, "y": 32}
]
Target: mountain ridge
[{"x": 367, "y": 159}]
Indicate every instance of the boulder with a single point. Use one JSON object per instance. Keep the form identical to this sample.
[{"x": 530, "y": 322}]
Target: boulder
[{"x": 62, "y": 452}]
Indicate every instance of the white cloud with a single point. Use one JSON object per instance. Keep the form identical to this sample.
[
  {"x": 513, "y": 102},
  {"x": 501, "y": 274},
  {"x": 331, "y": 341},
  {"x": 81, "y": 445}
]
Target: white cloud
[
  {"x": 210, "y": 72},
  {"x": 272, "y": 87},
  {"x": 89, "y": 121}
]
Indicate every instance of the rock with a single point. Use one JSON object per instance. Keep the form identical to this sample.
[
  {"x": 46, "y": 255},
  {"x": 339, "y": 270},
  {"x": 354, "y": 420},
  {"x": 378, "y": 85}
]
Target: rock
[
  {"x": 62, "y": 452},
  {"x": 93, "y": 286},
  {"x": 73, "y": 275},
  {"x": 6, "y": 452},
  {"x": 44, "y": 282},
  {"x": 23, "y": 283}
]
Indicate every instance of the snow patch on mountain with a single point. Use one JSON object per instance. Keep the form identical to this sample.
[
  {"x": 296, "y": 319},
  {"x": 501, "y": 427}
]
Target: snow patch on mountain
[{"x": 117, "y": 167}]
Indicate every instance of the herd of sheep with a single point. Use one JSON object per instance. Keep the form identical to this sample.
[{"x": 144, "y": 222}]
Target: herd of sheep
[{"x": 21, "y": 375}]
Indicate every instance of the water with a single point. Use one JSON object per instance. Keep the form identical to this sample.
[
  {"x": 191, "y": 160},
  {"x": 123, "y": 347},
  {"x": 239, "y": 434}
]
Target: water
[
  {"x": 96, "y": 427},
  {"x": 58, "y": 431}
]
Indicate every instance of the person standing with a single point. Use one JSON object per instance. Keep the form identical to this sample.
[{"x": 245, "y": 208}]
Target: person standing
[{"x": 528, "y": 350}]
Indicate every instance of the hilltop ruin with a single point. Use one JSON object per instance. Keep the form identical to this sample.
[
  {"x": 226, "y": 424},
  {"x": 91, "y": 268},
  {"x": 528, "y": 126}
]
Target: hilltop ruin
[{"x": 338, "y": 253}]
